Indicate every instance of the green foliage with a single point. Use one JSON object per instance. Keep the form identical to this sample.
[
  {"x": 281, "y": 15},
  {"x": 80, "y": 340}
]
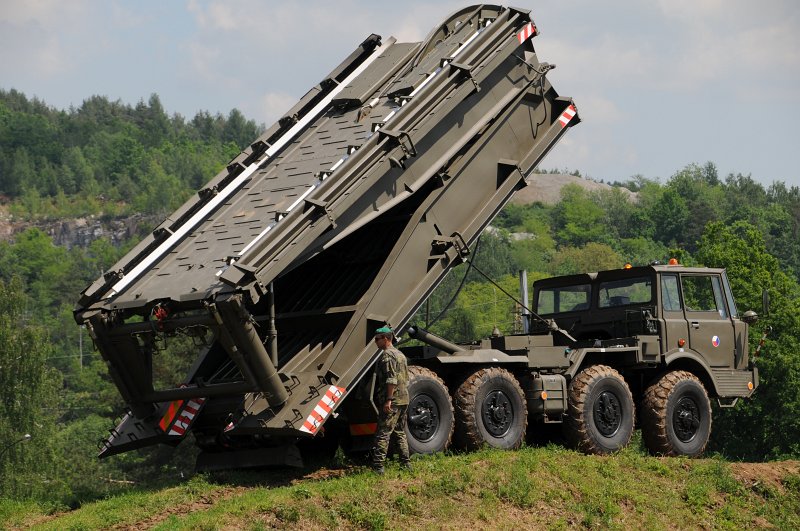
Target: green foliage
[
  {"x": 578, "y": 219},
  {"x": 27, "y": 389},
  {"x": 91, "y": 159},
  {"x": 108, "y": 158},
  {"x": 769, "y": 424},
  {"x": 530, "y": 488},
  {"x": 590, "y": 257}
]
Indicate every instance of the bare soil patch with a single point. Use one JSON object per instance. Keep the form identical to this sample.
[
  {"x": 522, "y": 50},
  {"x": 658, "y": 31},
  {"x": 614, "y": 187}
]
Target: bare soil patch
[{"x": 770, "y": 474}]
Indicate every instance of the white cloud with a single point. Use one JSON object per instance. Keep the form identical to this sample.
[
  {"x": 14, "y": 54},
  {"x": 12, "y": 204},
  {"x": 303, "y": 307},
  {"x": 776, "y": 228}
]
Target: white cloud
[
  {"x": 274, "y": 105},
  {"x": 44, "y": 13},
  {"x": 737, "y": 34},
  {"x": 30, "y": 36},
  {"x": 639, "y": 71},
  {"x": 202, "y": 58},
  {"x": 415, "y": 24},
  {"x": 692, "y": 9},
  {"x": 598, "y": 109}
]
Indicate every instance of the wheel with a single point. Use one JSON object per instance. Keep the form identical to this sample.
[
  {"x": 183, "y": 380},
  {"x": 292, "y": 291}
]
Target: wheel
[
  {"x": 676, "y": 415},
  {"x": 430, "y": 412},
  {"x": 490, "y": 410},
  {"x": 600, "y": 413}
]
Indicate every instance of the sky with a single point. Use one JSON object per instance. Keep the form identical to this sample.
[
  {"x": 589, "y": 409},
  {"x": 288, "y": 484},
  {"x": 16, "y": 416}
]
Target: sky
[{"x": 659, "y": 84}]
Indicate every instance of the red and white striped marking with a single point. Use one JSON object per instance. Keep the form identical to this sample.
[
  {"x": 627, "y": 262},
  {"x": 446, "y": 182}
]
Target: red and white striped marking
[
  {"x": 322, "y": 409},
  {"x": 527, "y": 32},
  {"x": 567, "y": 115},
  {"x": 186, "y": 416}
]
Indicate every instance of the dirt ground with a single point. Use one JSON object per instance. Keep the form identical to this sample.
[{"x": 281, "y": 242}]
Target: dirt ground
[{"x": 765, "y": 474}]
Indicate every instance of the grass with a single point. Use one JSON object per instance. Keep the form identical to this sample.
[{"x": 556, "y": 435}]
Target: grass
[{"x": 533, "y": 488}]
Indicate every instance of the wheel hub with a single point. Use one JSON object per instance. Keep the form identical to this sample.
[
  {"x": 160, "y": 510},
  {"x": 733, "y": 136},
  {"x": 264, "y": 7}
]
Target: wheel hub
[
  {"x": 607, "y": 414},
  {"x": 423, "y": 418},
  {"x": 686, "y": 419},
  {"x": 497, "y": 413}
]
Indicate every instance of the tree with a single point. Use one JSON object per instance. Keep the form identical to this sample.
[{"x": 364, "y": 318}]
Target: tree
[
  {"x": 641, "y": 251},
  {"x": 591, "y": 257},
  {"x": 152, "y": 121},
  {"x": 768, "y": 426},
  {"x": 618, "y": 212},
  {"x": 670, "y": 215},
  {"x": 239, "y": 130},
  {"x": 578, "y": 220},
  {"x": 27, "y": 387}
]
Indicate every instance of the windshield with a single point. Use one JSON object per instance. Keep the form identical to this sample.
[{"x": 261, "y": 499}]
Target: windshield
[{"x": 623, "y": 292}]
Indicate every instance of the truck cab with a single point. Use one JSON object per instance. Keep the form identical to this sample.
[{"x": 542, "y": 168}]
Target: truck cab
[{"x": 689, "y": 312}]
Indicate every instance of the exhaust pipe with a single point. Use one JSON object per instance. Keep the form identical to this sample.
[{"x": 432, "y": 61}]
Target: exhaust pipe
[{"x": 433, "y": 340}]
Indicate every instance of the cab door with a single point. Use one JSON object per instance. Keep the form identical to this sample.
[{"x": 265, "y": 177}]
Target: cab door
[
  {"x": 674, "y": 322},
  {"x": 710, "y": 326}
]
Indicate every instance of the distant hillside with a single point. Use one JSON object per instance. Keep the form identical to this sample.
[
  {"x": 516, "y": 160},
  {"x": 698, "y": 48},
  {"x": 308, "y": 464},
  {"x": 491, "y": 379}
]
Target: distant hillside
[
  {"x": 542, "y": 187},
  {"x": 546, "y": 188}
]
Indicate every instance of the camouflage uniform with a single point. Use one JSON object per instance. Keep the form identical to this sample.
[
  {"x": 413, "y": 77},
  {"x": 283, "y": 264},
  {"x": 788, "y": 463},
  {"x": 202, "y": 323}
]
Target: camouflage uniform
[{"x": 392, "y": 368}]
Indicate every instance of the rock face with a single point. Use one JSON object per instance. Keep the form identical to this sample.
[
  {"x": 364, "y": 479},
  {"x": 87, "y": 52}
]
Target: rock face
[
  {"x": 80, "y": 232},
  {"x": 546, "y": 188}
]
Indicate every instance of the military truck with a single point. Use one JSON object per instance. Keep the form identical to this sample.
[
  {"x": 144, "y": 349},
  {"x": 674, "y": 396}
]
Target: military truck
[
  {"x": 340, "y": 218},
  {"x": 663, "y": 337}
]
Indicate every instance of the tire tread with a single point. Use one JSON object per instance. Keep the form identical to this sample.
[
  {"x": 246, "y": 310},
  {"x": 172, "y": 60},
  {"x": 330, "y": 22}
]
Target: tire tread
[
  {"x": 467, "y": 433},
  {"x": 654, "y": 413},
  {"x": 576, "y": 432}
]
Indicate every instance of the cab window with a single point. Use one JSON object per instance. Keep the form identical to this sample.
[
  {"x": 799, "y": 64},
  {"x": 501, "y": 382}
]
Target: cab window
[
  {"x": 624, "y": 292},
  {"x": 670, "y": 295},
  {"x": 703, "y": 293},
  {"x": 563, "y": 299}
]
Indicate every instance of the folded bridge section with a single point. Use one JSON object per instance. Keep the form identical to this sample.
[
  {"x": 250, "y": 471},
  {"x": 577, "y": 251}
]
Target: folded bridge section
[{"x": 341, "y": 217}]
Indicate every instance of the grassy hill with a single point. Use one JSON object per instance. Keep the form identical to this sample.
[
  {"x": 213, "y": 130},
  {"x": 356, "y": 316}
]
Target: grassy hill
[{"x": 534, "y": 488}]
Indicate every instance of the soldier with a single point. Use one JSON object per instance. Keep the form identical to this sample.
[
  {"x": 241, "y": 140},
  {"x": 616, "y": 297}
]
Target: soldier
[{"x": 392, "y": 393}]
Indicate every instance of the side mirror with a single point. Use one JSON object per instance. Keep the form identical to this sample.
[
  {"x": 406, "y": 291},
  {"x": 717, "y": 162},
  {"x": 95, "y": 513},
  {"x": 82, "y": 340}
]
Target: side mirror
[
  {"x": 765, "y": 302},
  {"x": 750, "y": 317}
]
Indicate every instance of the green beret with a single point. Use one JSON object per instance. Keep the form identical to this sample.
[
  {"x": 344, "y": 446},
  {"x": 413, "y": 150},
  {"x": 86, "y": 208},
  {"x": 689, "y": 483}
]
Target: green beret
[{"x": 383, "y": 330}]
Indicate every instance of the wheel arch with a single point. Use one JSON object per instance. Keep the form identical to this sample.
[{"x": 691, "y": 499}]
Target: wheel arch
[
  {"x": 618, "y": 360},
  {"x": 691, "y": 362}
]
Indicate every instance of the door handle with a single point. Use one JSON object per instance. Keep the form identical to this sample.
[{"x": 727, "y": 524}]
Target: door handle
[{"x": 695, "y": 325}]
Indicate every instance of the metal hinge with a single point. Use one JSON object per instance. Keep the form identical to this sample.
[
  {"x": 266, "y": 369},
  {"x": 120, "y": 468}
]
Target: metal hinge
[
  {"x": 441, "y": 245},
  {"x": 467, "y": 71},
  {"x": 403, "y": 139}
]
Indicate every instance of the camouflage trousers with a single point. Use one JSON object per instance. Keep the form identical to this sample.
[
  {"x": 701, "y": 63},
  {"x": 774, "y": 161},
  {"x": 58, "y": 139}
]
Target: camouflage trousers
[{"x": 391, "y": 428}]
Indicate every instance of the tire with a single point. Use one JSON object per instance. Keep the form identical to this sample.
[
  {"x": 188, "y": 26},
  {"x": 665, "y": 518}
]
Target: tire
[
  {"x": 676, "y": 415},
  {"x": 600, "y": 413},
  {"x": 430, "y": 419},
  {"x": 491, "y": 411}
]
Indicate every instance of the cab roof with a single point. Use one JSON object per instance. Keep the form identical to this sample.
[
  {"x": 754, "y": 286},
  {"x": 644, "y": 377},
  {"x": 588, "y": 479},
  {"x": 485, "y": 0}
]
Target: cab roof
[{"x": 648, "y": 270}]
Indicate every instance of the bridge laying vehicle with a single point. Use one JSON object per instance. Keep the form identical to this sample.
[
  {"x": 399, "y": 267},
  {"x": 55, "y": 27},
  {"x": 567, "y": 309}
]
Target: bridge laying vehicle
[{"x": 341, "y": 218}]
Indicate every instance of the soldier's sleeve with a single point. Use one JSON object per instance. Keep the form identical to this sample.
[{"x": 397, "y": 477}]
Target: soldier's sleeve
[{"x": 391, "y": 369}]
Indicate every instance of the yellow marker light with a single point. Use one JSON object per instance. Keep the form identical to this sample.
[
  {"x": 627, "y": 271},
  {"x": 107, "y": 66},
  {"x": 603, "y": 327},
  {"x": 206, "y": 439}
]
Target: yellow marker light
[
  {"x": 750, "y": 386},
  {"x": 544, "y": 395},
  {"x": 627, "y": 266},
  {"x": 673, "y": 261}
]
